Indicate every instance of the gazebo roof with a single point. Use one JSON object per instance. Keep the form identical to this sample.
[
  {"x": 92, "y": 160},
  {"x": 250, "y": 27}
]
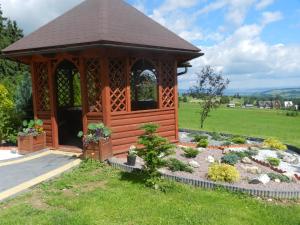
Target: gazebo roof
[{"x": 100, "y": 22}]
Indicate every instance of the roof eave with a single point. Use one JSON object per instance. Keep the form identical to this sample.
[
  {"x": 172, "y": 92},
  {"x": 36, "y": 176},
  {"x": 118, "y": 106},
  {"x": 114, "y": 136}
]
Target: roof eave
[{"x": 27, "y": 52}]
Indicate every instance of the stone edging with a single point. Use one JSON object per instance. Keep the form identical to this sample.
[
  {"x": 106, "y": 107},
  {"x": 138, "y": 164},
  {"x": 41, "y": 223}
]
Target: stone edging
[
  {"x": 213, "y": 185},
  {"x": 290, "y": 147}
]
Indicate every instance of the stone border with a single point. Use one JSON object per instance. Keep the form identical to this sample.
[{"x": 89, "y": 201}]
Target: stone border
[
  {"x": 290, "y": 147},
  {"x": 213, "y": 185}
]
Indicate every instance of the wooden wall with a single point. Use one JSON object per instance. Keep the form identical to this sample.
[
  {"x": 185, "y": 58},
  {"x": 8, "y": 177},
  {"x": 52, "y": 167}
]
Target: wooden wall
[{"x": 126, "y": 127}]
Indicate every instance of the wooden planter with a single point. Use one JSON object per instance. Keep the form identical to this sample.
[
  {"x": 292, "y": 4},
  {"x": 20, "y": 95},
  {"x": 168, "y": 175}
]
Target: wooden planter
[
  {"x": 101, "y": 151},
  {"x": 29, "y": 144}
]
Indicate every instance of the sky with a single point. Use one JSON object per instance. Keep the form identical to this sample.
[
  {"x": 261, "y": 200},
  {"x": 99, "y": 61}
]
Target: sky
[{"x": 254, "y": 43}]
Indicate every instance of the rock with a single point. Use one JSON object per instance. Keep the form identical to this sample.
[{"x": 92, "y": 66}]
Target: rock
[
  {"x": 252, "y": 169},
  {"x": 194, "y": 164},
  {"x": 254, "y": 148},
  {"x": 210, "y": 159},
  {"x": 262, "y": 179},
  {"x": 277, "y": 180},
  {"x": 226, "y": 151},
  {"x": 246, "y": 160},
  {"x": 200, "y": 149},
  {"x": 292, "y": 159},
  {"x": 291, "y": 176}
]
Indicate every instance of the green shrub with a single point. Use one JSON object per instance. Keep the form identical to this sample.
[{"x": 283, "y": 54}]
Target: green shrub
[
  {"x": 226, "y": 143},
  {"x": 251, "y": 152},
  {"x": 238, "y": 140},
  {"x": 216, "y": 136},
  {"x": 274, "y": 144},
  {"x": 190, "y": 152},
  {"x": 198, "y": 138},
  {"x": 223, "y": 172},
  {"x": 176, "y": 165},
  {"x": 273, "y": 161},
  {"x": 202, "y": 143},
  {"x": 154, "y": 150},
  {"x": 230, "y": 159},
  {"x": 281, "y": 177}
]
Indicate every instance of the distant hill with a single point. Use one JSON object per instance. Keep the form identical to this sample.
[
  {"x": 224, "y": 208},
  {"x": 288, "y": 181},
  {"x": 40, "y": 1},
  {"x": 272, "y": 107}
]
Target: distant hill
[{"x": 287, "y": 93}]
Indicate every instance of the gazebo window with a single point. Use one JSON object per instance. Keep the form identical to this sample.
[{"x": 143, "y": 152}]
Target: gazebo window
[{"x": 144, "y": 91}]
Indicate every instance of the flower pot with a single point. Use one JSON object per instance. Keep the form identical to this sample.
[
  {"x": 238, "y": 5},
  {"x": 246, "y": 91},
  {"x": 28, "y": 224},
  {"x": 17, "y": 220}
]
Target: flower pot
[
  {"x": 98, "y": 151},
  {"x": 29, "y": 144},
  {"x": 131, "y": 160}
]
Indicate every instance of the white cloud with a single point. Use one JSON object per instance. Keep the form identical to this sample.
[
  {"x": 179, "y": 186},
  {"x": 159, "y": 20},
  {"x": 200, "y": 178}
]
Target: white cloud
[
  {"x": 271, "y": 17},
  {"x": 263, "y": 4},
  {"x": 31, "y": 14},
  {"x": 250, "y": 62}
]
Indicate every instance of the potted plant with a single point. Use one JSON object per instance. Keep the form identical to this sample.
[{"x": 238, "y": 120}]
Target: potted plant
[
  {"x": 131, "y": 157},
  {"x": 32, "y": 138},
  {"x": 96, "y": 142}
]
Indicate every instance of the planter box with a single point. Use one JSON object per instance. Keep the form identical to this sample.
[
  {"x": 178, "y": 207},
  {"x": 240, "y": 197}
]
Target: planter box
[
  {"x": 101, "y": 151},
  {"x": 29, "y": 144}
]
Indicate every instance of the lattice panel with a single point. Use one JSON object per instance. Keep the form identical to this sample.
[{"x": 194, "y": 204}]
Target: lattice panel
[
  {"x": 63, "y": 87},
  {"x": 117, "y": 85},
  {"x": 42, "y": 87},
  {"x": 168, "y": 84},
  {"x": 93, "y": 83}
]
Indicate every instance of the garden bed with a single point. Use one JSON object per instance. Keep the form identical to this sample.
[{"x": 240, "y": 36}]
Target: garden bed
[{"x": 288, "y": 186}]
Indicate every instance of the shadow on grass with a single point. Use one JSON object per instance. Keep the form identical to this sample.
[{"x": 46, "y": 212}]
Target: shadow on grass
[{"x": 135, "y": 177}]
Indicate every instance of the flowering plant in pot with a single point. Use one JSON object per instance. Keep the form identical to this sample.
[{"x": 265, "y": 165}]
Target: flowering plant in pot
[
  {"x": 32, "y": 137},
  {"x": 131, "y": 157},
  {"x": 96, "y": 142}
]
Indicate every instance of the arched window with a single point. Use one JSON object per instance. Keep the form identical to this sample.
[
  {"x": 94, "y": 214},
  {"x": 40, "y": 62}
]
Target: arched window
[{"x": 144, "y": 91}]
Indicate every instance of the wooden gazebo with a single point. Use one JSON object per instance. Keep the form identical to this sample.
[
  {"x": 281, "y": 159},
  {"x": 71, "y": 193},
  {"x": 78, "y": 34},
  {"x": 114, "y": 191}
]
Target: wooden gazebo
[{"x": 104, "y": 61}]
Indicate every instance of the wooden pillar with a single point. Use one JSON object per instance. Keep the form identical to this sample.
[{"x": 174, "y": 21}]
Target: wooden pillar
[
  {"x": 128, "y": 86},
  {"x": 84, "y": 97},
  {"x": 105, "y": 92},
  {"x": 34, "y": 90},
  {"x": 160, "y": 88},
  {"x": 53, "y": 105},
  {"x": 176, "y": 101}
]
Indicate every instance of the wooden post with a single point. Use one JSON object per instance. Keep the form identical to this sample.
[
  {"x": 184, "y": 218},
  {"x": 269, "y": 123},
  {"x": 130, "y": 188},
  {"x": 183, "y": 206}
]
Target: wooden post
[
  {"x": 84, "y": 98},
  {"x": 176, "y": 101},
  {"x": 53, "y": 105},
  {"x": 160, "y": 88},
  {"x": 128, "y": 86},
  {"x": 106, "y": 92},
  {"x": 34, "y": 90}
]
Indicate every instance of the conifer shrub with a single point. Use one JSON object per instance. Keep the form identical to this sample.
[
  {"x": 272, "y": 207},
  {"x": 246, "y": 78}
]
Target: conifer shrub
[{"x": 223, "y": 173}]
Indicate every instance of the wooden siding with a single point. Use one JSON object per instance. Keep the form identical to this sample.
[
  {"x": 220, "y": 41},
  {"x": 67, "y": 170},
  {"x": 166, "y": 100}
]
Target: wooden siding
[{"x": 126, "y": 127}]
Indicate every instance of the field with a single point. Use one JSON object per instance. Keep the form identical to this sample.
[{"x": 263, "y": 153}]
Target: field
[
  {"x": 251, "y": 122},
  {"x": 97, "y": 194}
]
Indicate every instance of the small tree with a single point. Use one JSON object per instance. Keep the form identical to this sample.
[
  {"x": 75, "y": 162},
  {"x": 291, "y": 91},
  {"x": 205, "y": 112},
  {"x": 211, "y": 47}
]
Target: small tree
[
  {"x": 210, "y": 86},
  {"x": 154, "y": 151}
]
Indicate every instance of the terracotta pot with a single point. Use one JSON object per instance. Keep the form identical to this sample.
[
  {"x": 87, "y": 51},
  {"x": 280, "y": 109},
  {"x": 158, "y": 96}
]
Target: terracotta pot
[
  {"x": 131, "y": 160},
  {"x": 98, "y": 151},
  {"x": 29, "y": 144}
]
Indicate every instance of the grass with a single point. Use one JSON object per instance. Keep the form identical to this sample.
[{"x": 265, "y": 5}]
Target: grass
[
  {"x": 98, "y": 194},
  {"x": 251, "y": 122}
]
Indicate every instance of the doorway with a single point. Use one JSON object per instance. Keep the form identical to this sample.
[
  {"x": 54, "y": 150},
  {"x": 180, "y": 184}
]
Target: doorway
[{"x": 69, "y": 104}]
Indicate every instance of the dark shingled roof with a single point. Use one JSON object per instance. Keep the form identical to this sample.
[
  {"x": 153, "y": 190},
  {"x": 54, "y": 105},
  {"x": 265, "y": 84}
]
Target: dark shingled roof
[{"x": 100, "y": 22}]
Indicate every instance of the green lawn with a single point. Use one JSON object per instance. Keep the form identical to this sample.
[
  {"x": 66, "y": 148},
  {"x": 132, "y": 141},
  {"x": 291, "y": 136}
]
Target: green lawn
[
  {"x": 94, "y": 194},
  {"x": 251, "y": 122}
]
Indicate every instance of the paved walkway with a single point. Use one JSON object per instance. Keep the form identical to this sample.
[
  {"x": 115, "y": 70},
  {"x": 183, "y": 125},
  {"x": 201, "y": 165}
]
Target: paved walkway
[{"x": 20, "y": 174}]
